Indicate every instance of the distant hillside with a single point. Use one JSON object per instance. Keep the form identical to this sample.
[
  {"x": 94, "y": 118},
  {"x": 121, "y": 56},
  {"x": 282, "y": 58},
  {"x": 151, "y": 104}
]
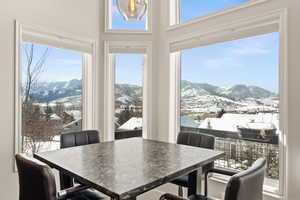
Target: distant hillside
[
  {"x": 51, "y": 91},
  {"x": 236, "y": 92},
  {"x": 194, "y": 95}
]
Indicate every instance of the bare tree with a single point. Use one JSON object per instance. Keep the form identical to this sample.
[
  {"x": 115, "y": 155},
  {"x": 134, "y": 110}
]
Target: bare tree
[
  {"x": 31, "y": 115},
  {"x": 33, "y": 69},
  {"x": 40, "y": 132}
]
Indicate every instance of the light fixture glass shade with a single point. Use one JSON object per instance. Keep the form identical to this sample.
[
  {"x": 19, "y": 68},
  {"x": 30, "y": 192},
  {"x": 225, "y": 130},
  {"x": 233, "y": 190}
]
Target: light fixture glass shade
[{"x": 132, "y": 10}]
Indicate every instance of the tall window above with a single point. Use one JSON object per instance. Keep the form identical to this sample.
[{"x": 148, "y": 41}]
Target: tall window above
[
  {"x": 129, "y": 95},
  {"x": 231, "y": 91},
  {"x": 185, "y": 10},
  {"x": 51, "y": 95},
  {"x": 115, "y": 21}
]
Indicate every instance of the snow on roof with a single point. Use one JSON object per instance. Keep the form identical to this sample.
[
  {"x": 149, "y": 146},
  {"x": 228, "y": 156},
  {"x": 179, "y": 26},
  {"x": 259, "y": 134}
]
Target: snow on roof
[
  {"x": 231, "y": 122},
  {"x": 72, "y": 123},
  {"x": 258, "y": 126},
  {"x": 75, "y": 113},
  {"x": 55, "y": 117},
  {"x": 219, "y": 124},
  {"x": 132, "y": 124}
]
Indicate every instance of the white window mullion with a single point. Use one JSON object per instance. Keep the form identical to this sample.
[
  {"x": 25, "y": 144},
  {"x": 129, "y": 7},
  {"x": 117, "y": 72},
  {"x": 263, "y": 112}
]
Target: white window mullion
[
  {"x": 109, "y": 94},
  {"x": 174, "y": 111}
]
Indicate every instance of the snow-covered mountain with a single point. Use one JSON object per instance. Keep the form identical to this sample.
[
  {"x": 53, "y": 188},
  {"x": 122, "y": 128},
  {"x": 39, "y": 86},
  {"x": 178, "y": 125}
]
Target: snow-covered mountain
[
  {"x": 199, "y": 97},
  {"x": 65, "y": 91},
  {"x": 126, "y": 94},
  {"x": 236, "y": 92},
  {"x": 51, "y": 91}
]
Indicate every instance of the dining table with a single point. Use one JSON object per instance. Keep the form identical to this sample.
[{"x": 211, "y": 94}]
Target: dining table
[{"x": 125, "y": 169}]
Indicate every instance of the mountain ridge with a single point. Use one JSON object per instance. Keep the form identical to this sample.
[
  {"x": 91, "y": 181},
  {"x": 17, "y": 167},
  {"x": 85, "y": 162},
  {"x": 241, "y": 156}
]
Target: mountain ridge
[{"x": 131, "y": 94}]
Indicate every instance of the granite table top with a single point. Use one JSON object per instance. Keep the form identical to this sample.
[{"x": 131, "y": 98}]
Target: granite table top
[{"x": 124, "y": 169}]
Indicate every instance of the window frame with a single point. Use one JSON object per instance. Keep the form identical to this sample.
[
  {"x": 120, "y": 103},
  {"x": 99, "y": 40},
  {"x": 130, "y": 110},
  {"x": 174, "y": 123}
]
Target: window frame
[
  {"x": 108, "y": 20},
  {"x": 115, "y": 47},
  {"x": 43, "y": 36},
  {"x": 175, "y": 13},
  {"x": 274, "y": 21}
]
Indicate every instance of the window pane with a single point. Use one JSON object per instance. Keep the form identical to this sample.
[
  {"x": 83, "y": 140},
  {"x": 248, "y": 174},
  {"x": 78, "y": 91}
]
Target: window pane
[
  {"x": 230, "y": 90},
  {"x": 51, "y": 96},
  {"x": 118, "y": 22},
  {"x": 191, "y": 9},
  {"x": 129, "y": 95}
]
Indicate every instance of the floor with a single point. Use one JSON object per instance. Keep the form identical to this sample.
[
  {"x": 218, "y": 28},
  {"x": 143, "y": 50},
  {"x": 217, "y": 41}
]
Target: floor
[
  {"x": 156, "y": 193},
  {"x": 151, "y": 195},
  {"x": 167, "y": 188}
]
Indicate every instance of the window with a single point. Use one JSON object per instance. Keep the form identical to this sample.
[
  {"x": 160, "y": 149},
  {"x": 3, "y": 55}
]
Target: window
[
  {"x": 115, "y": 20},
  {"x": 129, "y": 95},
  {"x": 191, "y": 9},
  {"x": 52, "y": 87},
  {"x": 182, "y": 11},
  {"x": 127, "y": 89},
  {"x": 51, "y": 95},
  {"x": 231, "y": 91}
]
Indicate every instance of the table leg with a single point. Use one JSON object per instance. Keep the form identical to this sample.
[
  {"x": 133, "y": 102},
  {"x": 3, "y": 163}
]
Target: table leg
[
  {"x": 195, "y": 182},
  {"x": 199, "y": 181}
]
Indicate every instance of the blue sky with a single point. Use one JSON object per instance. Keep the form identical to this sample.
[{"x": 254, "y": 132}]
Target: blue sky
[
  {"x": 191, "y": 9},
  {"x": 250, "y": 61},
  {"x": 60, "y": 65},
  {"x": 64, "y": 65},
  {"x": 129, "y": 68}
]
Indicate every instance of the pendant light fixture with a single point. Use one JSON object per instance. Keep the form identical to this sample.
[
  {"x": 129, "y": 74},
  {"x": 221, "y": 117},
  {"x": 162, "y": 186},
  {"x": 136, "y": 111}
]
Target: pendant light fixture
[{"x": 132, "y": 10}]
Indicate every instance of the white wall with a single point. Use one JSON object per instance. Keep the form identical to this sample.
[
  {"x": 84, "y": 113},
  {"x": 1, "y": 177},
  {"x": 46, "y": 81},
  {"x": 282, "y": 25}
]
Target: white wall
[
  {"x": 77, "y": 17},
  {"x": 86, "y": 18}
]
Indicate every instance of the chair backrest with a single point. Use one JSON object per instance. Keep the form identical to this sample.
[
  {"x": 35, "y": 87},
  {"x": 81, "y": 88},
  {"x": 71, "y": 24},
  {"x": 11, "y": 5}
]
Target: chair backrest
[
  {"x": 247, "y": 185},
  {"x": 36, "y": 179},
  {"x": 196, "y": 140},
  {"x": 79, "y": 138},
  {"x": 76, "y": 139}
]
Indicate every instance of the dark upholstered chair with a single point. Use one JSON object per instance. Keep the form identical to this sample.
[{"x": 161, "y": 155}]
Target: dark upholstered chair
[
  {"x": 79, "y": 138},
  {"x": 246, "y": 185},
  {"x": 37, "y": 182},
  {"x": 76, "y": 139},
  {"x": 196, "y": 140}
]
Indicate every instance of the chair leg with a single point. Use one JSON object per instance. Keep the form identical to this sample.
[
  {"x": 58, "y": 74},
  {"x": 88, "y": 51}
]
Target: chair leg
[{"x": 180, "y": 191}]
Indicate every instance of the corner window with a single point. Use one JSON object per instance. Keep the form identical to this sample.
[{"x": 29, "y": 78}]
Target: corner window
[
  {"x": 51, "y": 96},
  {"x": 129, "y": 95},
  {"x": 190, "y": 11},
  {"x": 231, "y": 91},
  {"x": 53, "y": 82},
  {"x": 128, "y": 92}
]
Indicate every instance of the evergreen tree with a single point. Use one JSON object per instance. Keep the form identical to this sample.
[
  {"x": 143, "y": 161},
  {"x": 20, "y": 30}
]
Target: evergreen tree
[
  {"x": 221, "y": 113},
  {"x": 125, "y": 115}
]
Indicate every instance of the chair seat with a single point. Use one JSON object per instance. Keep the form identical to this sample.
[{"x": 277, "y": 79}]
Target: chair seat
[
  {"x": 181, "y": 181},
  {"x": 199, "y": 197},
  {"x": 88, "y": 194}
]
